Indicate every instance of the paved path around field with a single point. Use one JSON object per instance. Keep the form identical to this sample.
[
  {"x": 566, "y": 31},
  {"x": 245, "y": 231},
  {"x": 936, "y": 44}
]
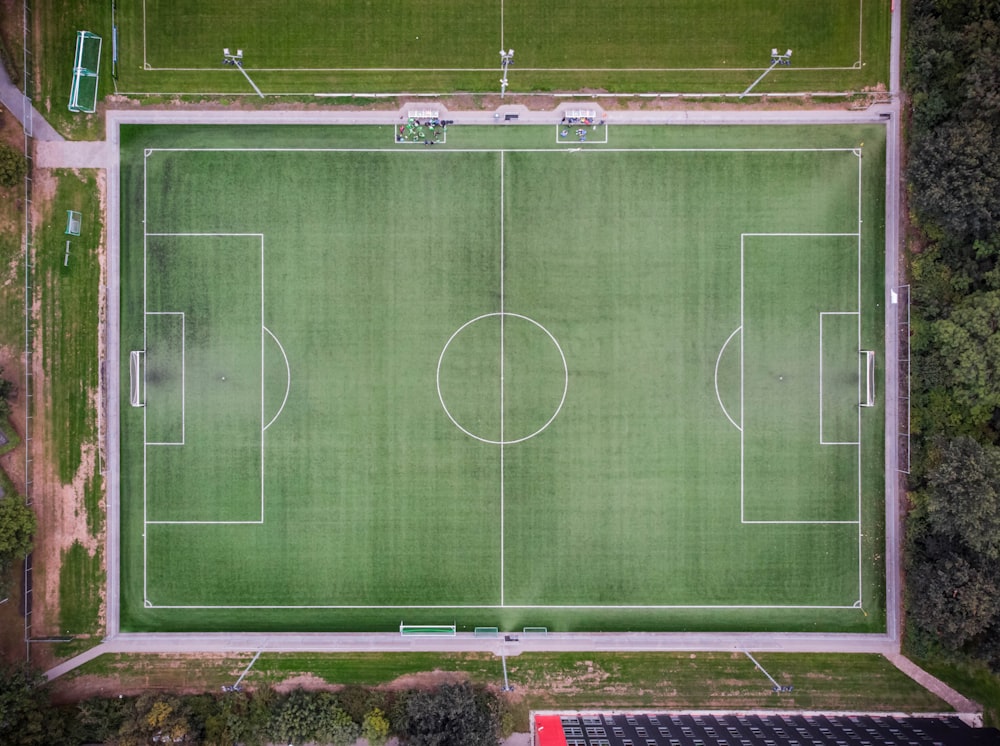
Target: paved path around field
[
  {"x": 961, "y": 703},
  {"x": 18, "y": 104},
  {"x": 105, "y": 155}
]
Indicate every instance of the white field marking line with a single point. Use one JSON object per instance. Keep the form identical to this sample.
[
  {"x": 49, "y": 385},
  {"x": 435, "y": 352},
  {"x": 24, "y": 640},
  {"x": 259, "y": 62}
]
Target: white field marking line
[
  {"x": 822, "y": 441},
  {"x": 388, "y": 149},
  {"x": 145, "y": 274},
  {"x": 718, "y": 397},
  {"x": 145, "y": 61},
  {"x": 502, "y": 439},
  {"x": 861, "y": 25},
  {"x": 743, "y": 237},
  {"x": 146, "y": 521},
  {"x": 148, "y": 604},
  {"x": 183, "y": 378},
  {"x": 562, "y": 356},
  {"x": 859, "y": 153},
  {"x": 148, "y": 68},
  {"x": 508, "y": 606},
  {"x": 288, "y": 382},
  {"x": 503, "y": 45}
]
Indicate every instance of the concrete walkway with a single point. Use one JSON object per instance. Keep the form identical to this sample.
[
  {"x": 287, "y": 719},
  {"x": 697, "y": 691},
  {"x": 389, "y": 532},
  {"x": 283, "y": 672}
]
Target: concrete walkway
[
  {"x": 18, "y": 104},
  {"x": 971, "y": 710},
  {"x": 74, "y": 154}
]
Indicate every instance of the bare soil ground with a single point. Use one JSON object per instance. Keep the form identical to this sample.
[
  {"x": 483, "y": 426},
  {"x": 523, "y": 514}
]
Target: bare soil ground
[{"x": 60, "y": 507}]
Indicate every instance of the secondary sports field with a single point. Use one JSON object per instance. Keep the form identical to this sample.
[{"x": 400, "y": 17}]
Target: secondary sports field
[
  {"x": 678, "y": 45},
  {"x": 512, "y": 379}
]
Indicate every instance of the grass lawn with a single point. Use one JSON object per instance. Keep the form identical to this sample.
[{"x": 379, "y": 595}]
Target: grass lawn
[{"x": 430, "y": 372}]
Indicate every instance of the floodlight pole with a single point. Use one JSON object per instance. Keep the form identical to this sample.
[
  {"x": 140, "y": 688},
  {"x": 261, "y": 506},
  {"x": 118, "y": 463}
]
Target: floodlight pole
[
  {"x": 776, "y": 59},
  {"x": 236, "y": 687},
  {"x": 228, "y": 58},
  {"x": 506, "y": 59}
]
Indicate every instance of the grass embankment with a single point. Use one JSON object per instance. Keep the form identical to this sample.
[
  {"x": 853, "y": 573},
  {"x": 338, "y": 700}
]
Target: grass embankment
[
  {"x": 67, "y": 324},
  {"x": 567, "y": 680},
  {"x": 68, "y": 316},
  {"x": 55, "y": 42},
  {"x": 973, "y": 679}
]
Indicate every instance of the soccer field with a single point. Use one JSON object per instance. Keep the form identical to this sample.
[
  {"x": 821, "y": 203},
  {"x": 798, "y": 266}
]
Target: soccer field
[
  {"x": 680, "y": 45},
  {"x": 509, "y": 380}
]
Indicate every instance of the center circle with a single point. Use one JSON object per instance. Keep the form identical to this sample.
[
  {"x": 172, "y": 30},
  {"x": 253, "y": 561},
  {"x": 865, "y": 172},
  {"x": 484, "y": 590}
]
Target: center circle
[{"x": 502, "y": 378}]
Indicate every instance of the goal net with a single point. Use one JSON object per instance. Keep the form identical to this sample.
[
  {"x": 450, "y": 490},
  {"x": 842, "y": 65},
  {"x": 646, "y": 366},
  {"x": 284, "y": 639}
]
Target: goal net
[
  {"x": 136, "y": 360},
  {"x": 86, "y": 67},
  {"x": 74, "y": 220},
  {"x": 869, "y": 356}
]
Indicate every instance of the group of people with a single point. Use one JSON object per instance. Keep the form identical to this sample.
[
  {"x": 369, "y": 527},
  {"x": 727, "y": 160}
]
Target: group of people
[{"x": 428, "y": 131}]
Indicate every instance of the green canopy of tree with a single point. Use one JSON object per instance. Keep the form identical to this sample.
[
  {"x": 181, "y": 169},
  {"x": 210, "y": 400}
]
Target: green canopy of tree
[
  {"x": 13, "y": 166},
  {"x": 27, "y": 717},
  {"x": 963, "y": 495},
  {"x": 452, "y": 715},
  {"x": 17, "y": 529},
  {"x": 955, "y": 601},
  {"x": 961, "y": 356}
]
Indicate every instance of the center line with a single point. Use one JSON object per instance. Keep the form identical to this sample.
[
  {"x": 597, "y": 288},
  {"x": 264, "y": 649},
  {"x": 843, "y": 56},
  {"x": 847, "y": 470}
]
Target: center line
[{"x": 501, "y": 383}]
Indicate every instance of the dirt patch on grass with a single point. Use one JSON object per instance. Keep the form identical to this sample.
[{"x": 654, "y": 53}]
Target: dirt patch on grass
[
  {"x": 309, "y": 682},
  {"x": 426, "y": 680}
]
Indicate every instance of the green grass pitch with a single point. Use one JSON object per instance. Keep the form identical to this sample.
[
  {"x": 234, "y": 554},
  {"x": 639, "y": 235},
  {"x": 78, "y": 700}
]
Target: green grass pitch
[
  {"x": 502, "y": 381},
  {"x": 680, "y": 45}
]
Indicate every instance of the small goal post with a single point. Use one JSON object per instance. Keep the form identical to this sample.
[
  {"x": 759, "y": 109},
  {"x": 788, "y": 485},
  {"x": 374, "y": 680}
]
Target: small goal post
[
  {"x": 74, "y": 221},
  {"x": 136, "y": 362},
  {"x": 869, "y": 356}
]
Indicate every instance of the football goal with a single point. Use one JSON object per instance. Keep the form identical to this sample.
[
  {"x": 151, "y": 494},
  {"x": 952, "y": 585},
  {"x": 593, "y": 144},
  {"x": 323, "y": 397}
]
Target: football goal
[
  {"x": 86, "y": 66},
  {"x": 427, "y": 630},
  {"x": 74, "y": 221},
  {"x": 136, "y": 360},
  {"x": 869, "y": 356}
]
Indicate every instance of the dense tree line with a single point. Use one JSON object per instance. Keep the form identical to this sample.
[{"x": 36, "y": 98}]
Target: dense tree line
[
  {"x": 953, "y": 171},
  {"x": 450, "y": 715}
]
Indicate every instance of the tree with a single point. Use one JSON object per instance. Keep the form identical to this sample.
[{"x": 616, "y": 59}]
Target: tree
[
  {"x": 17, "y": 529},
  {"x": 27, "y": 718},
  {"x": 13, "y": 166},
  {"x": 451, "y": 715},
  {"x": 7, "y": 391},
  {"x": 295, "y": 718},
  {"x": 334, "y": 726},
  {"x": 375, "y": 728},
  {"x": 963, "y": 496},
  {"x": 965, "y": 350},
  {"x": 102, "y": 717},
  {"x": 155, "y": 719},
  {"x": 952, "y": 599},
  {"x": 953, "y": 171},
  {"x": 238, "y": 719}
]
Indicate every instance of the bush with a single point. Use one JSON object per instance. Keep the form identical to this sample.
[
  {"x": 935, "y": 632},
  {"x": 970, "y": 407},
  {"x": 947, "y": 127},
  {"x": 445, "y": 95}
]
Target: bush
[{"x": 13, "y": 166}]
